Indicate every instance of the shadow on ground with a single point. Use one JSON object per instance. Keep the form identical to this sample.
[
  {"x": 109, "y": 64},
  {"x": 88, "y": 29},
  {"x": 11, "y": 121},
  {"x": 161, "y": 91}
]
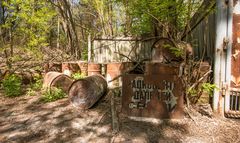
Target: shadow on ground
[{"x": 27, "y": 119}]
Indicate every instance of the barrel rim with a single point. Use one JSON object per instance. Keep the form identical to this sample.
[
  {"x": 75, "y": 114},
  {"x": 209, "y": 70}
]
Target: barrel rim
[
  {"x": 58, "y": 76},
  {"x": 73, "y": 83},
  {"x": 85, "y": 80},
  {"x": 51, "y": 72}
]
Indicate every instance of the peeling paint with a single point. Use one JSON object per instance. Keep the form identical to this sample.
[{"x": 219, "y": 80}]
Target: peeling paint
[{"x": 236, "y": 8}]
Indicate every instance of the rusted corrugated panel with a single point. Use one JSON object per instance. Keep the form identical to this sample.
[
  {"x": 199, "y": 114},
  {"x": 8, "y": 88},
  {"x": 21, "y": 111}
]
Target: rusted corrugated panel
[
  {"x": 235, "y": 79},
  {"x": 157, "y": 96}
]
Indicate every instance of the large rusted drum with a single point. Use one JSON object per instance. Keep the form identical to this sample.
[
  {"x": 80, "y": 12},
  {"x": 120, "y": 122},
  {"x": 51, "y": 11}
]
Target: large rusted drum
[
  {"x": 116, "y": 69},
  {"x": 69, "y": 68},
  {"x": 53, "y": 66},
  {"x": 83, "y": 65},
  {"x": 94, "y": 69},
  {"x": 84, "y": 93},
  {"x": 58, "y": 80},
  {"x": 153, "y": 68}
]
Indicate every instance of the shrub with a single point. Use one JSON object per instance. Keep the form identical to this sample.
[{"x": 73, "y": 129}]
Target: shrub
[
  {"x": 53, "y": 94},
  {"x": 35, "y": 86},
  {"x": 209, "y": 88},
  {"x": 31, "y": 92},
  {"x": 38, "y": 81},
  {"x": 78, "y": 75},
  {"x": 12, "y": 85}
]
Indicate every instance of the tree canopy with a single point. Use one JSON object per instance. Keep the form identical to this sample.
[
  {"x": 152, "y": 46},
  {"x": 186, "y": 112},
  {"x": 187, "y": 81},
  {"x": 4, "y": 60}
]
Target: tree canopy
[{"x": 30, "y": 25}]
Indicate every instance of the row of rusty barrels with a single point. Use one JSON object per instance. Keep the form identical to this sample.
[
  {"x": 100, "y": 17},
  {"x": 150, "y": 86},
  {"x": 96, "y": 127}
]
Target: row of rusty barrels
[
  {"x": 109, "y": 71},
  {"x": 82, "y": 93}
]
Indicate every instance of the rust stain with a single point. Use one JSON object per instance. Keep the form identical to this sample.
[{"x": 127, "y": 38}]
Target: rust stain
[
  {"x": 159, "y": 68},
  {"x": 156, "y": 96},
  {"x": 235, "y": 77},
  {"x": 235, "y": 2},
  {"x": 94, "y": 69}
]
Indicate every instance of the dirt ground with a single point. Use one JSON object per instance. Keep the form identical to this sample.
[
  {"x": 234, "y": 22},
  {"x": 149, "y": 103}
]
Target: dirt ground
[{"x": 28, "y": 119}]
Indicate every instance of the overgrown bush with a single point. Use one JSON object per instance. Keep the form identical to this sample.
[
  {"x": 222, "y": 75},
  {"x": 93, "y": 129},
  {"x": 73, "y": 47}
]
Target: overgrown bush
[
  {"x": 209, "y": 88},
  {"x": 53, "y": 94},
  {"x": 78, "y": 75},
  {"x": 35, "y": 86},
  {"x": 12, "y": 85},
  {"x": 38, "y": 81}
]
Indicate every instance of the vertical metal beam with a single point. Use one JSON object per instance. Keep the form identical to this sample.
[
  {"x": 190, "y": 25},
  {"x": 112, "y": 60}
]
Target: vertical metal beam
[
  {"x": 229, "y": 53},
  {"x": 1, "y": 12},
  {"x": 89, "y": 48},
  {"x": 220, "y": 57}
]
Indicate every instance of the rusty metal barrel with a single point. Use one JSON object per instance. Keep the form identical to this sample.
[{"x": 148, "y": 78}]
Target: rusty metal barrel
[
  {"x": 69, "y": 68},
  {"x": 116, "y": 69},
  {"x": 58, "y": 80},
  {"x": 83, "y": 65},
  {"x": 52, "y": 66},
  {"x": 94, "y": 69},
  {"x": 84, "y": 93}
]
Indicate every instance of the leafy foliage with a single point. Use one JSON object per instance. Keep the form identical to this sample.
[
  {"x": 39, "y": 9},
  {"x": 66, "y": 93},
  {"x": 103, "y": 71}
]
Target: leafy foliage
[
  {"x": 28, "y": 22},
  {"x": 172, "y": 16},
  {"x": 12, "y": 85},
  {"x": 31, "y": 92},
  {"x": 38, "y": 82},
  {"x": 53, "y": 94},
  {"x": 35, "y": 86},
  {"x": 77, "y": 76},
  {"x": 209, "y": 88},
  {"x": 178, "y": 52}
]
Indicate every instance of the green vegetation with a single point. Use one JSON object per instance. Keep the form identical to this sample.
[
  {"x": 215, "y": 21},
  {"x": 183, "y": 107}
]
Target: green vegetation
[
  {"x": 38, "y": 81},
  {"x": 35, "y": 86},
  {"x": 78, "y": 75},
  {"x": 53, "y": 94},
  {"x": 12, "y": 85},
  {"x": 172, "y": 16},
  {"x": 209, "y": 88},
  {"x": 27, "y": 20}
]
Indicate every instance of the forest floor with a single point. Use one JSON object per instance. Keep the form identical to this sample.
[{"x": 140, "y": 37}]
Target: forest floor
[{"x": 28, "y": 119}]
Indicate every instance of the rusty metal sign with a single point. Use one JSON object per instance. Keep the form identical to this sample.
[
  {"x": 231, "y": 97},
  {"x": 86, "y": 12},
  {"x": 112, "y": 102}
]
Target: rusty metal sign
[
  {"x": 156, "y": 96},
  {"x": 233, "y": 102},
  {"x": 235, "y": 78}
]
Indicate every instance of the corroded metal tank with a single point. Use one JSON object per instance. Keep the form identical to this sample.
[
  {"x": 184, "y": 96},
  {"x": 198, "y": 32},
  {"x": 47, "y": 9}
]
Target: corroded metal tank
[
  {"x": 56, "y": 79},
  {"x": 52, "y": 66},
  {"x": 94, "y": 69},
  {"x": 84, "y": 93},
  {"x": 68, "y": 68},
  {"x": 116, "y": 69},
  {"x": 83, "y": 65}
]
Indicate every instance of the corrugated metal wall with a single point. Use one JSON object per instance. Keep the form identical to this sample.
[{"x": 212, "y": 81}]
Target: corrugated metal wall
[
  {"x": 202, "y": 38},
  {"x": 116, "y": 50}
]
